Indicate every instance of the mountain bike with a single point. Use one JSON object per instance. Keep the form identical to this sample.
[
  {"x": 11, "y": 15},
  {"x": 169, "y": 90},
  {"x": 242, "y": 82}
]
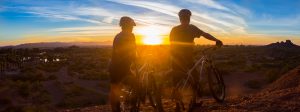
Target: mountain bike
[
  {"x": 187, "y": 90},
  {"x": 145, "y": 88},
  {"x": 129, "y": 95}
]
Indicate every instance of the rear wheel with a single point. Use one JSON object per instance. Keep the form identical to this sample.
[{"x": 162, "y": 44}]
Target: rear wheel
[
  {"x": 183, "y": 95},
  {"x": 216, "y": 84}
]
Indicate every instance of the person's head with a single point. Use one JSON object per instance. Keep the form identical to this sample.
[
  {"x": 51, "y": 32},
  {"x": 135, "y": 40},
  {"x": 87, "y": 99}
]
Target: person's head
[
  {"x": 184, "y": 16},
  {"x": 126, "y": 23}
]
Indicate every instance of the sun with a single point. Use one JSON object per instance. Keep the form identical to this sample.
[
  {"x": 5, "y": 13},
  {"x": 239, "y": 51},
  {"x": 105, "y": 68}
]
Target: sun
[
  {"x": 149, "y": 40},
  {"x": 151, "y": 35}
]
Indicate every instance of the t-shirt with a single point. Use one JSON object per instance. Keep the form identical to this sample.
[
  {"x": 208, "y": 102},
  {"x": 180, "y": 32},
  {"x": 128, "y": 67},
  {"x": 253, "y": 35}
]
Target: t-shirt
[
  {"x": 124, "y": 49},
  {"x": 184, "y": 34},
  {"x": 182, "y": 41},
  {"x": 182, "y": 37}
]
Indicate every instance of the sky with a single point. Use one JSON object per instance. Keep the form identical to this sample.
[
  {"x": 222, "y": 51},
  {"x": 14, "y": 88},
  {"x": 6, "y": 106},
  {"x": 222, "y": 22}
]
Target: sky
[{"x": 247, "y": 22}]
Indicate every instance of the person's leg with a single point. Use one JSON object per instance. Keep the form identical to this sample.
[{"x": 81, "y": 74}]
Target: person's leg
[{"x": 115, "y": 97}]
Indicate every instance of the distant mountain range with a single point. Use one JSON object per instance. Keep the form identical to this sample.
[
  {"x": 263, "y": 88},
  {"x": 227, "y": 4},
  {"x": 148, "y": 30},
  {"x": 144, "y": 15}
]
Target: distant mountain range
[
  {"x": 60, "y": 44},
  {"x": 282, "y": 44}
]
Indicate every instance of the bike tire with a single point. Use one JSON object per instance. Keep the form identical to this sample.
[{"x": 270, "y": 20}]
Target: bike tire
[
  {"x": 130, "y": 102},
  {"x": 154, "y": 95},
  {"x": 183, "y": 98},
  {"x": 219, "y": 92}
]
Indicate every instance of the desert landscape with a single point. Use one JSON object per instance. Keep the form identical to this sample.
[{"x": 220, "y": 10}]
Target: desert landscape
[
  {"x": 75, "y": 78},
  {"x": 179, "y": 55}
]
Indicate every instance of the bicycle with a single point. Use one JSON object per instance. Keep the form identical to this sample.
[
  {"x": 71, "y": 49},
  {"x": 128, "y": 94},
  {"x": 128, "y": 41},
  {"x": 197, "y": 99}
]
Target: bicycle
[
  {"x": 187, "y": 91},
  {"x": 146, "y": 88}
]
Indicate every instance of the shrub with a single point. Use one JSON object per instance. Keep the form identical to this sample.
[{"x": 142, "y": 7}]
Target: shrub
[
  {"x": 76, "y": 96},
  {"x": 94, "y": 75},
  {"x": 253, "y": 84},
  {"x": 5, "y": 101},
  {"x": 23, "y": 88},
  {"x": 52, "y": 77},
  {"x": 272, "y": 75}
]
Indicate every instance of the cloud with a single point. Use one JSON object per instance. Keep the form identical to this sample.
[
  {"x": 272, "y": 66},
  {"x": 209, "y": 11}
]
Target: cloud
[
  {"x": 53, "y": 13},
  {"x": 268, "y": 20},
  {"x": 95, "y": 31},
  {"x": 157, "y": 13},
  {"x": 212, "y": 16},
  {"x": 207, "y": 19},
  {"x": 2, "y": 8},
  {"x": 163, "y": 8},
  {"x": 211, "y": 4}
]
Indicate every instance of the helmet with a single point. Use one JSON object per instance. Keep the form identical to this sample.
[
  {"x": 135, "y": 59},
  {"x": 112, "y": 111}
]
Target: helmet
[
  {"x": 184, "y": 12},
  {"x": 126, "y": 21}
]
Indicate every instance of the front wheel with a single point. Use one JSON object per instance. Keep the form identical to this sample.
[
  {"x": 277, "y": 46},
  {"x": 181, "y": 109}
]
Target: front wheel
[
  {"x": 216, "y": 84},
  {"x": 129, "y": 101},
  {"x": 154, "y": 94}
]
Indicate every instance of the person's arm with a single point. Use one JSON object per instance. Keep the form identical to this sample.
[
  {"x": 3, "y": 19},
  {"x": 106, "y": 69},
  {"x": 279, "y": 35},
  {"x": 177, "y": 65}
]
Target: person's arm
[
  {"x": 199, "y": 33},
  {"x": 208, "y": 36}
]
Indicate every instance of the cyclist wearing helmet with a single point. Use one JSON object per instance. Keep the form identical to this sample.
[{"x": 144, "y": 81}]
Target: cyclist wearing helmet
[
  {"x": 123, "y": 54},
  {"x": 182, "y": 41}
]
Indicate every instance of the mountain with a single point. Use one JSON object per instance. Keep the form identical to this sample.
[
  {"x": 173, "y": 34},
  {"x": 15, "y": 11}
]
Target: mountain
[
  {"x": 286, "y": 44},
  {"x": 60, "y": 44}
]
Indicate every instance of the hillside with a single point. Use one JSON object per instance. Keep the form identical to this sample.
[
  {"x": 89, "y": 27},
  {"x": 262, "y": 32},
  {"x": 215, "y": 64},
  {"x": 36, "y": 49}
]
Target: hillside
[
  {"x": 75, "y": 78},
  {"x": 282, "y": 95}
]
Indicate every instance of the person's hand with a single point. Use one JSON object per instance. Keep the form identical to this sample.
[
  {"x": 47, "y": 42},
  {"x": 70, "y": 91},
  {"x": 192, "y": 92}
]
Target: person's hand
[{"x": 219, "y": 43}]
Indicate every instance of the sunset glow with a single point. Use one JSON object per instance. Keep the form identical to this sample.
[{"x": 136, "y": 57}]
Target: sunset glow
[
  {"x": 151, "y": 35},
  {"x": 152, "y": 40}
]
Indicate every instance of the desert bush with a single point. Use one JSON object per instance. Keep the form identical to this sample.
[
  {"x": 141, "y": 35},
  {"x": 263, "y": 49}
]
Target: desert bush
[
  {"x": 5, "y": 101},
  {"x": 30, "y": 108},
  {"x": 71, "y": 73},
  {"x": 23, "y": 88},
  {"x": 52, "y": 77},
  {"x": 253, "y": 84},
  {"x": 42, "y": 97},
  {"x": 104, "y": 85},
  {"x": 31, "y": 75},
  {"x": 94, "y": 75},
  {"x": 76, "y": 96},
  {"x": 272, "y": 75},
  {"x": 51, "y": 66}
]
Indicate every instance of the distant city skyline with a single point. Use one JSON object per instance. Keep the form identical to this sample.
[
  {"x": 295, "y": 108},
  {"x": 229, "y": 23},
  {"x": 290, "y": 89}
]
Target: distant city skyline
[{"x": 248, "y": 22}]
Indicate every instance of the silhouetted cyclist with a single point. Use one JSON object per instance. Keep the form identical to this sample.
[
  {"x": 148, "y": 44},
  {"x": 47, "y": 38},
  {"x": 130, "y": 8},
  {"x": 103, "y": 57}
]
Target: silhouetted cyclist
[
  {"x": 124, "y": 53},
  {"x": 182, "y": 42}
]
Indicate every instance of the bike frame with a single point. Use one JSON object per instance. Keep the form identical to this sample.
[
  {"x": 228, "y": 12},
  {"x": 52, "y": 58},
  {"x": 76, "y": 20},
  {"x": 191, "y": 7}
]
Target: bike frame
[{"x": 201, "y": 62}]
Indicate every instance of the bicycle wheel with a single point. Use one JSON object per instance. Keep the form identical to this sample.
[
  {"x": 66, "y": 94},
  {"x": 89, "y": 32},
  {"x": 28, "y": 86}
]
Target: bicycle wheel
[
  {"x": 129, "y": 100},
  {"x": 130, "y": 96},
  {"x": 154, "y": 94},
  {"x": 183, "y": 95},
  {"x": 216, "y": 84}
]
